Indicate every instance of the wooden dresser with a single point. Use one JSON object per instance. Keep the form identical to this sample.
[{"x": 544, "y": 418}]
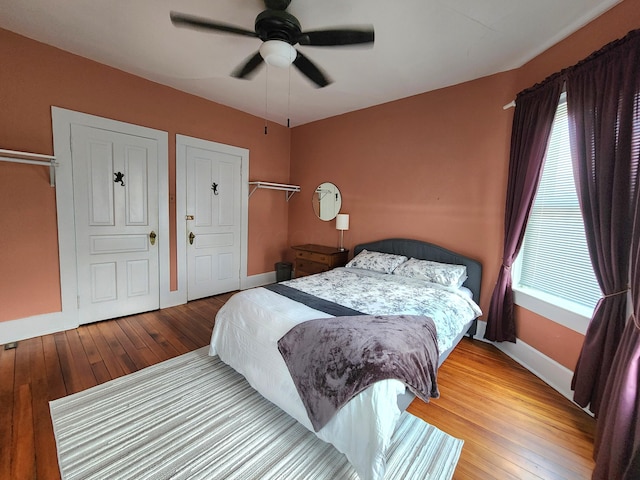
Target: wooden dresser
[{"x": 318, "y": 258}]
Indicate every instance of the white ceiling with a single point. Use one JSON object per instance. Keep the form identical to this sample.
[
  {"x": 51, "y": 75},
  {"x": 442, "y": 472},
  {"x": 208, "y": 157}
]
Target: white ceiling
[{"x": 420, "y": 45}]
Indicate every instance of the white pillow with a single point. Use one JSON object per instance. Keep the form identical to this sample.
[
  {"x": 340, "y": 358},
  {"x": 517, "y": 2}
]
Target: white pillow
[
  {"x": 376, "y": 261},
  {"x": 434, "y": 272}
]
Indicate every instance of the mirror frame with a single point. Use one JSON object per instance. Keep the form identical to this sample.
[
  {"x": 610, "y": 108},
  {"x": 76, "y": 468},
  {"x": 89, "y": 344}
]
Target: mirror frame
[{"x": 318, "y": 201}]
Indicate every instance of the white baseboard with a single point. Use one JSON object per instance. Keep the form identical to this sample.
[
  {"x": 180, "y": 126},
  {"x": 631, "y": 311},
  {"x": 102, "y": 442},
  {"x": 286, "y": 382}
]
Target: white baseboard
[
  {"x": 545, "y": 368},
  {"x": 45, "y": 324},
  {"x": 29, "y": 327},
  {"x": 258, "y": 280}
]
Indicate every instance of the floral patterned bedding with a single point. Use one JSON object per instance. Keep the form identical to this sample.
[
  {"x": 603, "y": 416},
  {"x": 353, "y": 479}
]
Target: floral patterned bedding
[{"x": 383, "y": 294}]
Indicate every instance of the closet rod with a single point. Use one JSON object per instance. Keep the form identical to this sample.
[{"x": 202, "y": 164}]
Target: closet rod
[
  {"x": 288, "y": 189},
  {"x": 28, "y": 160}
]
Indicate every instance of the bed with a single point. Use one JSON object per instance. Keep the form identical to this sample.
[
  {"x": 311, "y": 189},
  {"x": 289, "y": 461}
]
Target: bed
[{"x": 249, "y": 326}]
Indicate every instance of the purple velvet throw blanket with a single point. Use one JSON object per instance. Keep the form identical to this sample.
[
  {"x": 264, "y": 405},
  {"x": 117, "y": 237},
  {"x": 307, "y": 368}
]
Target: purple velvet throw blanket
[{"x": 331, "y": 360}]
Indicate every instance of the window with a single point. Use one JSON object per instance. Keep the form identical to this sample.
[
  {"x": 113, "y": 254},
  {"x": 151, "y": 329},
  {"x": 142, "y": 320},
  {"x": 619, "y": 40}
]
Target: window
[{"x": 554, "y": 265}]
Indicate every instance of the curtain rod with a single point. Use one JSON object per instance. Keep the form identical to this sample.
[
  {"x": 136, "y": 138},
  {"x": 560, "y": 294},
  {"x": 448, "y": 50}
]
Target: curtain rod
[{"x": 509, "y": 105}]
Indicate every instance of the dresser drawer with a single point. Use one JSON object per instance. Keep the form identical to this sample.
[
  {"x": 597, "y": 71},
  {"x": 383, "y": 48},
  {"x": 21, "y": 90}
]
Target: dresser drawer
[
  {"x": 313, "y": 256},
  {"x": 307, "y": 267},
  {"x": 312, "y": 259}
]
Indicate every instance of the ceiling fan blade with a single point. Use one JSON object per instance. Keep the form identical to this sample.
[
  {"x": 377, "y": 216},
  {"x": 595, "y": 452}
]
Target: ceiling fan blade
[
  {"x": 184, "y": 20},
  {"x": 311, "y": 71},
  {"x": 248, "y": 67},
  {"x": 338, "y": 36}
]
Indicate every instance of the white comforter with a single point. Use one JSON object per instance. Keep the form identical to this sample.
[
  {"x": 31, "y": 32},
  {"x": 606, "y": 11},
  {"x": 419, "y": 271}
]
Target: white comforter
[{"x": 245, "y": 336}]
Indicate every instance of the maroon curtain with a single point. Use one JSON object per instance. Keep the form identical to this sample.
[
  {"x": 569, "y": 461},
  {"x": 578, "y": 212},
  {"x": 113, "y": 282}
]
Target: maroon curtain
[
  {"x": 617, "y": 445},
  {"x": 602, "y": 96},
  {"x": 533, "y": 117}
]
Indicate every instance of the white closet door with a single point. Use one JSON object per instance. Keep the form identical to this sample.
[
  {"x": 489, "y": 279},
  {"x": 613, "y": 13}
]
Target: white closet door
[
  {"x": 213, "y": 221},
  {"x": 115, "y": 182}
]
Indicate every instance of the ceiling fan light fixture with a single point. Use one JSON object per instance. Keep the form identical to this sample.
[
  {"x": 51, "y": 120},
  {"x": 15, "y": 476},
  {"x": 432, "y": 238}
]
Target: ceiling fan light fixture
[{"x": 278, "y": 53}]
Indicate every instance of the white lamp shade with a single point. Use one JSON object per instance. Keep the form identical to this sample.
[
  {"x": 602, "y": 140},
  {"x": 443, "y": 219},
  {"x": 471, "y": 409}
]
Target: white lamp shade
[
  {"x": 342, "y": 221},
  {"x": 278, "y": 53}
]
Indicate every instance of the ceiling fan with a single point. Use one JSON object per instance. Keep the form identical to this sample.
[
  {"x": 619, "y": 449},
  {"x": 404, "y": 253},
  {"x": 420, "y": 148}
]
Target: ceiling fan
[{"x": 280, "y": 32}]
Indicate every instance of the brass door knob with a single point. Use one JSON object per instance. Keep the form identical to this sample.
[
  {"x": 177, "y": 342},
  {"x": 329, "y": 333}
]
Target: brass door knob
[
  {"x": 152, "y": 237},
  {"x": 191, "y": 237}
]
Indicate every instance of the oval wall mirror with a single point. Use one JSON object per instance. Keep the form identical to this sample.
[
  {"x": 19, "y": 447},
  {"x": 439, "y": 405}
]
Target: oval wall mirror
[{"x": 326, "y": 201}]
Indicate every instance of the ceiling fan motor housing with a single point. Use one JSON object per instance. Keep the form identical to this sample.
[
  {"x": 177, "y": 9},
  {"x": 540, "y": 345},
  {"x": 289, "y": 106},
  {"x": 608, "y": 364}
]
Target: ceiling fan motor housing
[
  {"x": 278, "y": 25},
  {"x": 277, "y": 4}
]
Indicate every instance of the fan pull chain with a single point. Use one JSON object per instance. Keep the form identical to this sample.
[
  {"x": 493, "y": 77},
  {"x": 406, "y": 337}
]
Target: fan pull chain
[
  {"x": 289, "y": 101},
  {"x": 266, "y": 97}
]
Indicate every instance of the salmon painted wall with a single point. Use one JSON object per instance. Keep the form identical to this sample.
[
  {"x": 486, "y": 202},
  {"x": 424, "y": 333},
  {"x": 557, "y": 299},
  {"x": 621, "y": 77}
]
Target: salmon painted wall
[
  {"x": 434, "y": 167},
  {"x": 429, "y": 167},
  {"x": 34, "y": 77}
]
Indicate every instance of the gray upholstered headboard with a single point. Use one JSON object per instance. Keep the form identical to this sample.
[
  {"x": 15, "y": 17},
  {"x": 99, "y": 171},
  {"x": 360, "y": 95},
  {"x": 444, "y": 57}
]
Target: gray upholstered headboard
[{"x": 428, "y": 251}]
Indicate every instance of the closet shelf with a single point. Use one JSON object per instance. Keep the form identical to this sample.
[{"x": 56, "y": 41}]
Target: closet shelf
[
  {"x": 288, "y": 189},
  {"x": 15, "y": 156}
]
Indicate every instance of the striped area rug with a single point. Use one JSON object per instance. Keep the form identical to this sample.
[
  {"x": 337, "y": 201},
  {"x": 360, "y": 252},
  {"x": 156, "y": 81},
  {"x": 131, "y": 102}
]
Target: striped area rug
[{"x": 193, "y": 417}]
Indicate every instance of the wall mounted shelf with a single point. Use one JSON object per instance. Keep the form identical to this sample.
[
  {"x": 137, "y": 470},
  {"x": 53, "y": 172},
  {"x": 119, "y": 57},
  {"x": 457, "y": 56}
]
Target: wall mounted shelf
[
  {"x": 288, "y": 189},
  {"x": 14, "y": 156}
]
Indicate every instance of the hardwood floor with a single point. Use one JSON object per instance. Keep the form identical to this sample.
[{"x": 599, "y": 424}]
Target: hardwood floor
[{"x": 514, "y": 425}]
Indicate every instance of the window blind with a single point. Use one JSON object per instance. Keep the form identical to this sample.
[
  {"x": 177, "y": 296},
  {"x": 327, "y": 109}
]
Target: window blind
[{"x": 555, "y": 258}]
